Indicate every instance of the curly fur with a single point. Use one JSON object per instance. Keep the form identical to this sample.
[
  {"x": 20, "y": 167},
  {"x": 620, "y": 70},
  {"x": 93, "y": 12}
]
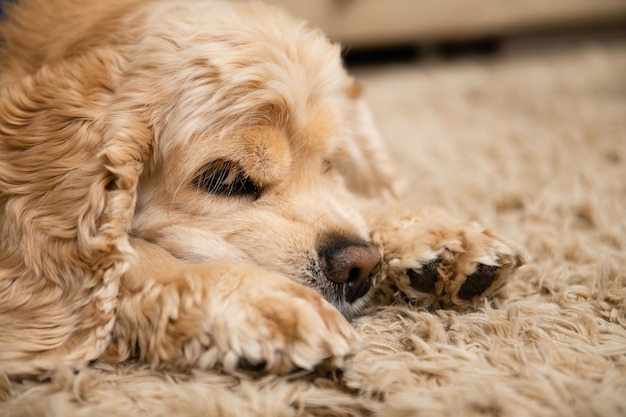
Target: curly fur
[{"x": 122, "y": 238}]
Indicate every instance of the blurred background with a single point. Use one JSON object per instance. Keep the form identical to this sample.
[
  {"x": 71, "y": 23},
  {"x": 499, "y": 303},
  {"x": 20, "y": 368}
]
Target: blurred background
[{"x": 373, "y": 30}]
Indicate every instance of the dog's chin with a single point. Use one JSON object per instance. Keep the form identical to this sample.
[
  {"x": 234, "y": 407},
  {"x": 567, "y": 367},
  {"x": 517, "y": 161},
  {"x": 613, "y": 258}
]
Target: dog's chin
[
  {"x": 356, "y": 308},
  {"x": 348, "y": 309}
]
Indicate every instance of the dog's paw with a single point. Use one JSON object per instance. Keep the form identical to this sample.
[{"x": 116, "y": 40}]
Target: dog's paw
[
  {"x": 269, "y": 322},
  {"x": 460, "y": 270},
  {"x": 457, "y": 264}
]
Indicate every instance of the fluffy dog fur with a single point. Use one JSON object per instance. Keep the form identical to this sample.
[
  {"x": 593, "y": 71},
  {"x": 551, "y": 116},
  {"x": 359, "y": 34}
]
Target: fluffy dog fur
[{"x": 192, "y": 183}]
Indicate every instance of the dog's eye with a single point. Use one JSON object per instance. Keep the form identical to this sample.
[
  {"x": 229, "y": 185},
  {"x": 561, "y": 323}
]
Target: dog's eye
[{"x": 225, "y": 178}]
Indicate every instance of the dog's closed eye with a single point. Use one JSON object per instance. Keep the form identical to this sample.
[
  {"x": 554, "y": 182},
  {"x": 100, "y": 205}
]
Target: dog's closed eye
[{"x": 225, "y": 178}]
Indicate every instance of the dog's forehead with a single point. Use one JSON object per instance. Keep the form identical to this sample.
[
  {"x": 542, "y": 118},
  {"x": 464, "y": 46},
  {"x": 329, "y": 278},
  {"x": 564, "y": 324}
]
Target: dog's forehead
[
  {"x": 255, "y": 95},
  {"x": 280, "y": 144},
  {"x": 276, "y": 119}
]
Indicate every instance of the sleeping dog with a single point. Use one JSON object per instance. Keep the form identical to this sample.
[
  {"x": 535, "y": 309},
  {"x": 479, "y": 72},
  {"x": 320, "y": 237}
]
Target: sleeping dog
[{"x": 194, "y": 183}]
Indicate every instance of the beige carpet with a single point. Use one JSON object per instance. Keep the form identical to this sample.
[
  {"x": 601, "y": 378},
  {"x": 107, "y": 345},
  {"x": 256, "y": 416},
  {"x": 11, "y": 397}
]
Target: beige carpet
[{"x": 531, "y": 143}]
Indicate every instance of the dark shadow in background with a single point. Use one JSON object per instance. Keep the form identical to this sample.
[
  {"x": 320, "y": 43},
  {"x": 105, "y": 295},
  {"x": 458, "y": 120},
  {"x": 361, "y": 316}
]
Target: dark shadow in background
[{"x": 484, "y": 47}]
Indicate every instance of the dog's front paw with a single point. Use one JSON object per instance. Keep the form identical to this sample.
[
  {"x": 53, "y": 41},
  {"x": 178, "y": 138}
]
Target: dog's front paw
[
  {"x": 270, "y": 322},
  {"x": 457, "y": 264},
  {"x": 465, "y": 264}
]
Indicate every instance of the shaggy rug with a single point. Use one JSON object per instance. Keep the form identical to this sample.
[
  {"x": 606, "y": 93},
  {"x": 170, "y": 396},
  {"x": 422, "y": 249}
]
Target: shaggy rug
[{"x": 532, "y": 144}]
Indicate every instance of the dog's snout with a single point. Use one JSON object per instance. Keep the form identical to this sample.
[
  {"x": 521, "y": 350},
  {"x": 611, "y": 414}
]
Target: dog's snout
[{"x": 351, "y": 264}]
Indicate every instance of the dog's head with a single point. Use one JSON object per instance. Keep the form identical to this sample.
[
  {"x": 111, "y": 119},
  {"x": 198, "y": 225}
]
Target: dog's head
[{"x": 261, "y": 148}]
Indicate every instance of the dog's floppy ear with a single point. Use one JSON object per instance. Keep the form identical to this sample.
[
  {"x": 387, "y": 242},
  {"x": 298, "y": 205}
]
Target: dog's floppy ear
[
  {"x": 362, "y": 159},
  {"x": 67, "y": 194}
]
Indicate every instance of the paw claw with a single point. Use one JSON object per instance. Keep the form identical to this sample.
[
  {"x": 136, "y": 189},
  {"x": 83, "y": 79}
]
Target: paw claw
[
  {"x": 447, "y": 257},
  {"x": 276, "y": 366}
]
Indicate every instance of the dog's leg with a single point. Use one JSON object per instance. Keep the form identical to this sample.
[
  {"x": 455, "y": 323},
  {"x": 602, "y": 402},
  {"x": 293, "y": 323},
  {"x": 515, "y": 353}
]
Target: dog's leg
[
  {"x": 429, "y": 255},
  {"x": 177, "y": 315}
]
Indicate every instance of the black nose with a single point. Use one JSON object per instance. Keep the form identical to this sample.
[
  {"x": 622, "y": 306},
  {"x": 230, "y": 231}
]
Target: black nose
[{"x": 351, "y": 264}]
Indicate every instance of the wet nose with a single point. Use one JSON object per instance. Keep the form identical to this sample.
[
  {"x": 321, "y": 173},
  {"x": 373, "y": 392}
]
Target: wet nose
[{"x": 351, "y": 264}]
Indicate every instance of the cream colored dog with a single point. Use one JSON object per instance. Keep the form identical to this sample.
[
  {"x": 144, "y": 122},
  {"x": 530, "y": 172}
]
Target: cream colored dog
[{"x": 193, "y": 183}]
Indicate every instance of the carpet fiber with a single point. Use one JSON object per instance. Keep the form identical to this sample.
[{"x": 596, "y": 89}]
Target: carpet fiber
[{"x": 532, "y": 144}]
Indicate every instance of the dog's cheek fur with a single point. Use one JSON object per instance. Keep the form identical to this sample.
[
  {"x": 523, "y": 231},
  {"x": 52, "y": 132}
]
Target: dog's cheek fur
[{"x": 64, "y": 214}]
